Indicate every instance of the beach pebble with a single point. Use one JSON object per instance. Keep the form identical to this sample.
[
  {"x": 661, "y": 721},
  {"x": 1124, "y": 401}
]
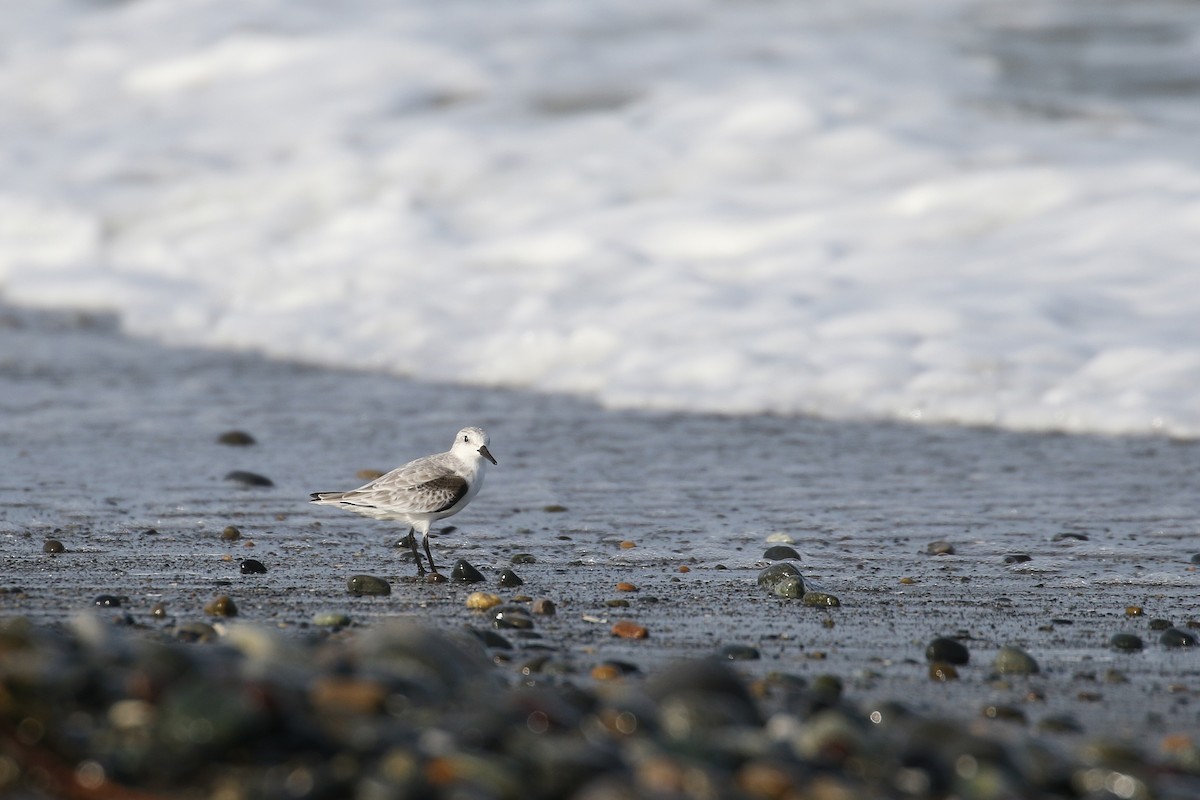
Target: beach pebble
[
  {"x": 236, "y": 438},
  {"x": 1134, "y": 611},
  {"x": 252, "y": 566},
  {"x": 1004, "y": 713},
  {"x": 543, "y": 606},
  {"x": 221, "y": 606},
  {"x": 739, "y": 652},
  {"x": 617, "y": 602},
  {"x": 628, "y": 544},
  {"x": 523, "y": 558},
  {"x": 249, "y": 479},
  {"x": 53, "y": 546},
  {"x": 231, "y": 534},
  {"x": 791, "y": 587},
  {"x": 330, "y": 619},
  {"x": 554, "y": 508},
  {"x": 199, "y": 632},
  {"x": 463, "y": 572},
  {"x": 780, "y": 552},
  {"x": 624, "y": 586},
  {"x": 779, "y": 537},
  {"x": 628, "y": 629},
  {"x": 107, "y": 601},
  {"x": 482, "y": 601},
  {"x": 509, "y": 616},
  {"x": 948, "y": 650},
  {"x": 1174, "y": 637},
  {"x": 1069, "y": 536},
  {"x": 1017, "y": 558},
  {"x": 773, "y": 575},
  {"x": 1160, "y": 624},
  {"x": 341, "y": 695},
  {"x": 1196, "y": 558},
  {"x": 611, "y": 670},
  {"x": 820, "y": 600},
  {"x": 1012, "y": 660},
  {"x": 510, "y": 579},
  {"x": 939, "y": 548},
  {"x": 368, "y": 585},
  {"x": 158, "y": 610}
]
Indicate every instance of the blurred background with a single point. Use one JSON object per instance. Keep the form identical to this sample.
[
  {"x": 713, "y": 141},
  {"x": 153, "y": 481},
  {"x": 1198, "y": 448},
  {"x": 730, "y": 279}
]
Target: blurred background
[{"x": 957, "y": 211}]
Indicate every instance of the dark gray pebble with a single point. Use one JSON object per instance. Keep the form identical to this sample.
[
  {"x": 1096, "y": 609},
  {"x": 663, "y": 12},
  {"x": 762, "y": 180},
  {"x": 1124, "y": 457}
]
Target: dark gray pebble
[
  {"x": 509, "y": 579},
  {"x": 951, "y": 651},
  {"x": 491, "y": 639},
  {"x": 463, "y": 572},
  {"x": 821, "y": 600},
  {"x": 511, "y": 617},
  {"x": 1196, "y": 558},
  {"x": 1012, "y": 660},
  {"x": 249, "y": 479},
  {"x": 523, "y": 558},
  {"x": 1017, "y": 558},
  {"x": 775, "y": 573},
  {"x": 939, "y": 548},
  {"x": 368, "y": 585},
  {"x": 1160, "y": 624},
  {"x": 781, "y": 551},
  {"x": 1059, "y": 723},
  {"x": 1069, "y": 536},
  {"x": 199, "y": 632},
  {"x": 791, "y": 587},
  {"x": 1173, "y": 637},
  {"x": 108, "y": 601},
  {"x": 1126, "y": 642},
  {"x": 1004, "y": 712},
  {"x": 53, "y": 546},
  {"x": 231, "y": 534},
  {"x": 236, "y": 438},
  {"x": 252, "y": 566},
  {"x": 739, "y": 652}
]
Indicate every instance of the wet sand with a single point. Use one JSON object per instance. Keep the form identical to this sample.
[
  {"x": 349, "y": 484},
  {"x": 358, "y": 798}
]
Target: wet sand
[{"x": 110, "y": 446}]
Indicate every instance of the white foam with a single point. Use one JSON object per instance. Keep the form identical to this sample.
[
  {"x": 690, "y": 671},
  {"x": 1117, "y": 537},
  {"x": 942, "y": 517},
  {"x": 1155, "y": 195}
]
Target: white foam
[{"x": 794, "y": 208}]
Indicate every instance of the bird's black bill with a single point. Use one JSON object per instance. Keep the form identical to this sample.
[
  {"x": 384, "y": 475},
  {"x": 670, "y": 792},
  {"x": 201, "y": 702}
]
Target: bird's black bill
[{"x": 483, "y": 451}]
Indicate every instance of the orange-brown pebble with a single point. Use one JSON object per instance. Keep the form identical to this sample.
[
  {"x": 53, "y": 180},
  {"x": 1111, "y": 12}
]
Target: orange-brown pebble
[
  {"x": 908, "y": 581},
  {"x": 628, "y": 545},
  {"x": 941, "y": 671},
  {"x": 764, "y": 780},
  {"x": 347, "y": 695},
  {"x": 440, "y": 771},
  {"x": 685, "y": 568},
  {"x": 227, "y": 557},
  {"x": 1178, "y": 743},
  {"x": 606, "y": 672},
  {"x": 626, "y": 587},
  {"x": 435, "y": 577},
  {"x": 628, "y": 629},
  {"x": 1134, "y": 611}
]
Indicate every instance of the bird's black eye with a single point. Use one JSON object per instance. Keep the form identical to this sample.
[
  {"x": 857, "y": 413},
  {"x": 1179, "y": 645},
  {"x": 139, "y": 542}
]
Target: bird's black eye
[{"x": 464, "y": 438}]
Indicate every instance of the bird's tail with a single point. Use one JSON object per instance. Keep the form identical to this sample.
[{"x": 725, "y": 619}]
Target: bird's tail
[{"x": 325, "y": 497}]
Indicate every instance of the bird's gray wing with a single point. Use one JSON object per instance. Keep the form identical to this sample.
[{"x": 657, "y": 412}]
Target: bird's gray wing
[{"x": 429, "y": 496}]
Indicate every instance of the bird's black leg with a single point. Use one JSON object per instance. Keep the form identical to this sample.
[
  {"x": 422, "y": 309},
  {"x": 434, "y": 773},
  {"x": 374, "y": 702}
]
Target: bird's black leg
[
  {"x": 412, "y": 542},
  {"x": 429, "y": 553}
]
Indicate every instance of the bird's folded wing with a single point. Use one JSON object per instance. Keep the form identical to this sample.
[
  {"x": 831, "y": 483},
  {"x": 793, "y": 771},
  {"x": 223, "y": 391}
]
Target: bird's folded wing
[{"x": 427, "y": 497}]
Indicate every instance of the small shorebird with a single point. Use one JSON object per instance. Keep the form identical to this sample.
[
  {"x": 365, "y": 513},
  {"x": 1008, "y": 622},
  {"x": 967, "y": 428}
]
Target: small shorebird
[{"x": 430, "y": 488}]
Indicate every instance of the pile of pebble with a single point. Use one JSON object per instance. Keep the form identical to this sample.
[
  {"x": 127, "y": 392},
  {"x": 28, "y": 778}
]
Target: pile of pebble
[{"x": 93, "y": 709}]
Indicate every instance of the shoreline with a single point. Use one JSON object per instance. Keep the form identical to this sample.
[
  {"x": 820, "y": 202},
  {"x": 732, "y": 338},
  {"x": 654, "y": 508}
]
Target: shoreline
[{"x": 112, "y": 438}]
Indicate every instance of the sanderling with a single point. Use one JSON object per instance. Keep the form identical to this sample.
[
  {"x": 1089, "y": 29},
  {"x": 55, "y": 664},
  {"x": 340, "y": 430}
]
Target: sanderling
[{"x": 421, "y": 491}]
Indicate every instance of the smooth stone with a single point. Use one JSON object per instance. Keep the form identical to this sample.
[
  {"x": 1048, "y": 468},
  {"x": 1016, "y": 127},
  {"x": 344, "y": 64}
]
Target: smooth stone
[
  {"x": 821, "y": 600},
  {"x": 1160, "y": 624},
  {"x": 739, "y": 652},
  {"x": 779, "y": 537},
  {"x": 780, "y": 552},
  {"x": 1173, "y": 637},
  {"x": 158, "y": 610},
  {"x": 231, "y": 534},
  {"x": 1196, "y": 558},
  {"x": 1059, "y": 723},
  {"x": 544, "y": 606},
  {"x": 939, "y": 548},
  {"x": 554, "y": 508},
  {"x": 791, "y": 587},
  {"x": 368, "y": 585},
  {"x": 511, "y": 617},
  {"x": 1017, "y": 558},
  {"x": 523, "y": 558},
  {"x": 491, "y": 640},
  {"x": 221, "y": 606},
  {"x": 628, "y": 629},
  {"x": 951, "y": 651},
  {"x": 1068, "y": 536},
  {"x": 617, "y": 602},
  {"x": 199, "y": 632},
  {"x": 1004, "y": 713},
  {"x": 252, "y": 566},
  {"x": 773, "y": 574},
  {"x": 330, "y": 619},
  {"x": 482, "y": 601},
  {"x": 108, "y": 601},
  {"x": 236, "y": 438},
  {"x": 252, "y": 479},
  {"x": 1012, "y": 660},
  {"x": 463, "y": 572},
  {"x": 509, "y": 579},
  {"x": 53, "y": 546}
]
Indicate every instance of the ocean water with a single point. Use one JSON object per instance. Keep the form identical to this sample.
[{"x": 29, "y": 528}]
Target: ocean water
[{"x": 968, "y": 211}]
